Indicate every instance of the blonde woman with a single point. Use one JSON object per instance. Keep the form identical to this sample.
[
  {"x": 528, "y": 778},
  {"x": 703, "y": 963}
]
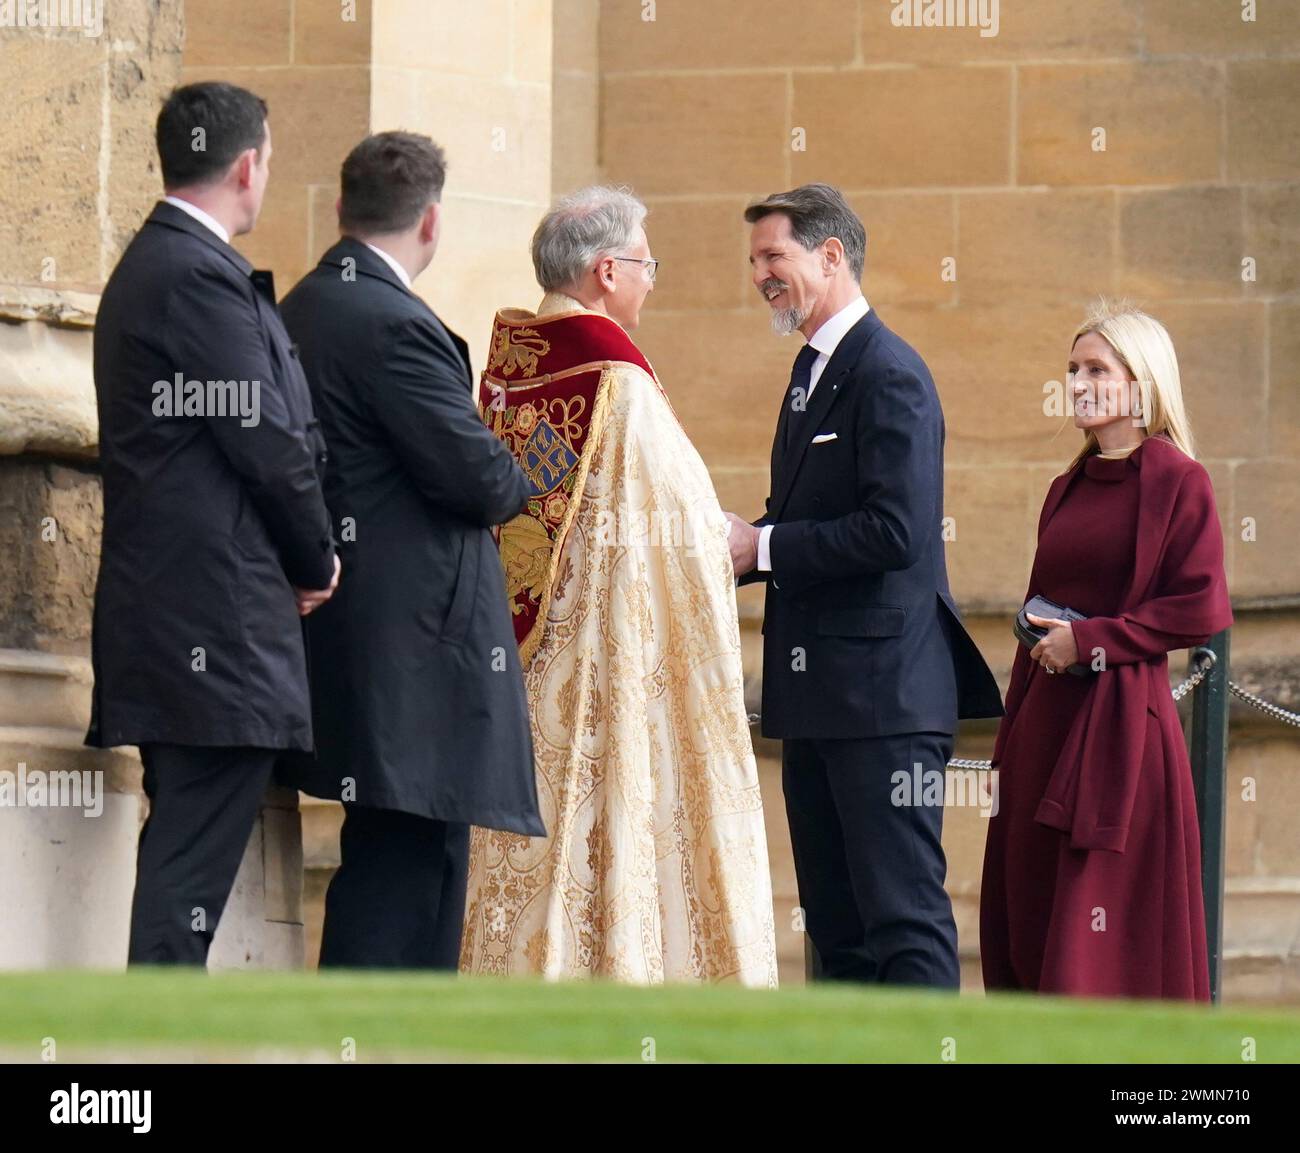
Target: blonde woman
[{"x": 1092, "y": 877}]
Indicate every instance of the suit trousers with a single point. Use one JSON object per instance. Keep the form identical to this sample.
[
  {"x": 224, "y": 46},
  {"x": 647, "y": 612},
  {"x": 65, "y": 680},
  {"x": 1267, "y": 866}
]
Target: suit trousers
[
  {"x": 398, "y": 898},
  {"x": 869, "y": 859},
  {"x": 203, "y": 803}
]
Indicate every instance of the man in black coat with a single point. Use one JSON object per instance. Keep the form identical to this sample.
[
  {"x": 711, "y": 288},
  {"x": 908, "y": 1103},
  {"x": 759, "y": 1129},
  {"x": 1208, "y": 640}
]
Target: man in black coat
[
  {"x": 866, "y": 665},
  {"x": 215, "y": 528},
  {"x": 421, "y": 719}
]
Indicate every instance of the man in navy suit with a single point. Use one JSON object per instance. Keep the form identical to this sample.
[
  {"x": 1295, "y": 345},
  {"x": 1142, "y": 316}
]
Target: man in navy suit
[{"x": 866, "y": 665}]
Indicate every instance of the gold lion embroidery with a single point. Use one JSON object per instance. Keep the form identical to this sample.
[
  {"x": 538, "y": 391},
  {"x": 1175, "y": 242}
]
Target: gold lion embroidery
[{"x": 517, "y": 348}]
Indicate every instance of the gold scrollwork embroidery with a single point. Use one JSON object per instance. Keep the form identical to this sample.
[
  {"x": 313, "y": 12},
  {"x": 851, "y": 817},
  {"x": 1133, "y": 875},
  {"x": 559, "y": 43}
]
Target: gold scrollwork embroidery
[{"x": 566, "y": 416}]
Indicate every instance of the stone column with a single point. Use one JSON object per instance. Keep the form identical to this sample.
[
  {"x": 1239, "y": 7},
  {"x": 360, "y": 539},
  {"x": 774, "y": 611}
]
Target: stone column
[{"x": 477, "y": 78}]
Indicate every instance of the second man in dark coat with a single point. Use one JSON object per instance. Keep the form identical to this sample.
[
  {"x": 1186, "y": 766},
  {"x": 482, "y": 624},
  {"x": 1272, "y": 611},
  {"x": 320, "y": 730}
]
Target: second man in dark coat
[{"x": 418, "y": 702}]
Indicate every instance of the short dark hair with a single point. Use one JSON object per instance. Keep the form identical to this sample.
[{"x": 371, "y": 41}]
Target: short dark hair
[
  {"x": 388, "y": 180},
  {"x": 817, "y": 212},
  {"x": 232, "y": 120}
]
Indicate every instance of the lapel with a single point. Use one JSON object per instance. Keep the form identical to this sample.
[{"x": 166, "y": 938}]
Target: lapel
[
  {"x": 778, "y": 442},
  {"x": 1156, "y": 496},
  {"x": 264, "y": 281},
  {"x": 368, "y": 264},
  {"x": 786, "y": 462},
  {"x": 1055, "y": 494},
  {"x": 461, "y": 347}
]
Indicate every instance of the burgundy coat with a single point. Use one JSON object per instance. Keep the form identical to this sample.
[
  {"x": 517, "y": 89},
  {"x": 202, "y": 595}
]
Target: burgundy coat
[
  {"x": 1178, "y": 590},
  {"x": 1089, "y": 762}
]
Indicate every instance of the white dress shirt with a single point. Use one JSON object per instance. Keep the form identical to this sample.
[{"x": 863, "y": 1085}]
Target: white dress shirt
[
  {"x": 402, "y": 274},
  {"x": 202, "y": 217},
  {"x": 825, "y": 340}
]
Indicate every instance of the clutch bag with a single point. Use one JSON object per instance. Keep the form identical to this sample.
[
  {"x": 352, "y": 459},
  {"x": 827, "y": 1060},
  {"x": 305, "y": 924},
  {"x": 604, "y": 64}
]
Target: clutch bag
[{"x": 1029, "y": 634}]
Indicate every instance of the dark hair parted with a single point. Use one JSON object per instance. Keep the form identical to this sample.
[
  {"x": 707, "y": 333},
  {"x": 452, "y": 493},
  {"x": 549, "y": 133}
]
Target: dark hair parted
[
  {"x": 817, "y": 212},
  {"x": 202, "y": 128},
  {"x": 388, "y": 180}
]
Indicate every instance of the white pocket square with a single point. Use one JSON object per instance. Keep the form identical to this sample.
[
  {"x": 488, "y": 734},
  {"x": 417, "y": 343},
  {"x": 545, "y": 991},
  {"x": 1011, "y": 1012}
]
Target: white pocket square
[{"x": 825, "y": 437}]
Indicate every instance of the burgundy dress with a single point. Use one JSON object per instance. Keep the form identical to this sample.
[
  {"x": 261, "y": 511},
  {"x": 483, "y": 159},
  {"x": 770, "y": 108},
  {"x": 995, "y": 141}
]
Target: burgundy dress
[{"x": 1092, "y": 881}]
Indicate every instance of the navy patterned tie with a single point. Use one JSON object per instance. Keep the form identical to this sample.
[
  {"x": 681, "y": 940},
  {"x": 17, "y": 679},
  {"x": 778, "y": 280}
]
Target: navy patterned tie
[{"x": 797, "y": 396}]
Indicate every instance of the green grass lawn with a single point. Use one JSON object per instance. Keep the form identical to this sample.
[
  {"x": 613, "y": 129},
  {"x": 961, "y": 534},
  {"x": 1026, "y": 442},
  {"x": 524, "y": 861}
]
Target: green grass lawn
[{"x": 265, "y": 1015}]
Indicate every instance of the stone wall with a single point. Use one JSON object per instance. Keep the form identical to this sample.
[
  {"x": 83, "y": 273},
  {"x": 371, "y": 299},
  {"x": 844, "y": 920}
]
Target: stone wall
[
  {"x": 77, "y": 174},
  {"x": 575, "y": 95},
  {"x": 978, "y": 151},
  {"x": 310, "y": 61}
]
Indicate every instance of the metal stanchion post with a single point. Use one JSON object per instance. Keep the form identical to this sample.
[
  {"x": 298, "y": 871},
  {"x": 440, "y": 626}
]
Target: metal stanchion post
[{"x": 1209, "y": 754}]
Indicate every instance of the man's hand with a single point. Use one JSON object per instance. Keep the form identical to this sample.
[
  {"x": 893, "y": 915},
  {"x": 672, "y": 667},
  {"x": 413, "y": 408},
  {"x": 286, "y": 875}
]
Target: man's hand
[
  {"x": 309, "y": 600},
  {"x": 1057, "y": 651},
  {"x": 742, "y": 539}
]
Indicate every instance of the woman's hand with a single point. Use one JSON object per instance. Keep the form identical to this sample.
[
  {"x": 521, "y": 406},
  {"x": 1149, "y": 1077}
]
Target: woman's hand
[{"x": 1057, "y": 651}]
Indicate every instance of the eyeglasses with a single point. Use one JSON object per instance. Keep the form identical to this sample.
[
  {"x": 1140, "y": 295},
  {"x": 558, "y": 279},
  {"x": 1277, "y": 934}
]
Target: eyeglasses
[{"x": 652, "y": 266}]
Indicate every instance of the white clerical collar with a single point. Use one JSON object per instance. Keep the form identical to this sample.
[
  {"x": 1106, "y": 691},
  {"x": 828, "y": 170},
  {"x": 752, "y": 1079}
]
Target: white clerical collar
[
  {"x": 827, "y": 338},
  {"x": 202, "y": 217},
  {"x": 402, "y": 274},
  {"x": 558, "y": 302}
]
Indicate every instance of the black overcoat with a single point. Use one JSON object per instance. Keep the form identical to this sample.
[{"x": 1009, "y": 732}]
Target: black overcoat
[
  {"x": 212, "y": 511},
  {"x": 418, "y": 693}
]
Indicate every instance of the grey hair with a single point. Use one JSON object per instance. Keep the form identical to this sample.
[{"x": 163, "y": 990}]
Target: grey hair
[{"x": 582, "y": 227}]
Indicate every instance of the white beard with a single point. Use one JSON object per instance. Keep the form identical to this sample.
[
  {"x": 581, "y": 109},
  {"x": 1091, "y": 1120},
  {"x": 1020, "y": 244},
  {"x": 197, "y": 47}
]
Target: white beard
[{"x": 787, "y": 320}]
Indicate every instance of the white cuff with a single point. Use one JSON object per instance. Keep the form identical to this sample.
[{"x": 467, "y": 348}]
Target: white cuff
[{"x": 765, "y": 548}]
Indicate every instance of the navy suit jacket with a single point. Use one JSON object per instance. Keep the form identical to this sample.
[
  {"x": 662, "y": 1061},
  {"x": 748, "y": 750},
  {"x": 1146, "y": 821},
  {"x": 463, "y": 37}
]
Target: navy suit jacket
[{"x": 861, "y": 637}]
